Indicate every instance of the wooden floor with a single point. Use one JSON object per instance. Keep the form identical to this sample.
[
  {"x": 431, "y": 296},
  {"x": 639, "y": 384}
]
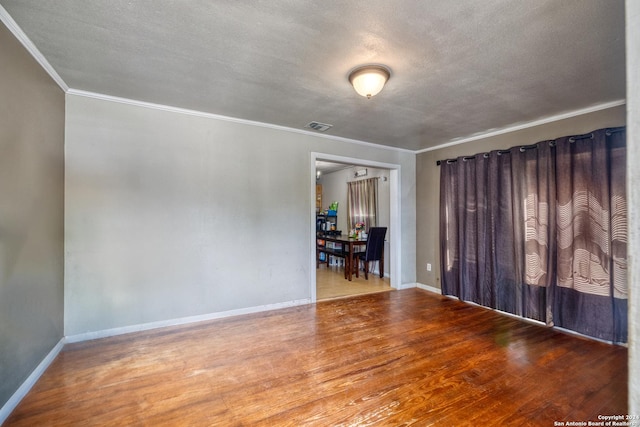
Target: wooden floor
[
  {"x": 330, "y": 283},
  {"x": 405, "y": 357}
]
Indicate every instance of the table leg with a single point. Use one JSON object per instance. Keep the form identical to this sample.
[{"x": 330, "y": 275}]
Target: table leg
[
  {"x": 346, "y": 266},
  {"x": 350, "y": 256}
]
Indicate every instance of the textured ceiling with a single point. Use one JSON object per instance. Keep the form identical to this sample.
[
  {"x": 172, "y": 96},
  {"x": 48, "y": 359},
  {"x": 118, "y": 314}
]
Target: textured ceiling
[{"x": 459, "y": 68}]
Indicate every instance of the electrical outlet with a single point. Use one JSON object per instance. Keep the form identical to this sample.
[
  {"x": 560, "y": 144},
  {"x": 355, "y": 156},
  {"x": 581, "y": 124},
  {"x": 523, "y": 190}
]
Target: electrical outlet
[{"x": 428, "y": 267}]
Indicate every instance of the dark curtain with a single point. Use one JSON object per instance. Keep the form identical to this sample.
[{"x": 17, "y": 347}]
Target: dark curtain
[
  {"x": 592, "y": 235},
  {"x": 483, "y": 245},
  {"x": 540, "y": 232},
  {"x": 534, "y": 193}
]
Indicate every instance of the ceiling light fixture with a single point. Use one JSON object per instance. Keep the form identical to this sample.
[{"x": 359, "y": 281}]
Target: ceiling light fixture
[{"x": 369, "y": 80}]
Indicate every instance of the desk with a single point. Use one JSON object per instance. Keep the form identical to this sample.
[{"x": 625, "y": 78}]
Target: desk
[{"x": 347, "y": 251}]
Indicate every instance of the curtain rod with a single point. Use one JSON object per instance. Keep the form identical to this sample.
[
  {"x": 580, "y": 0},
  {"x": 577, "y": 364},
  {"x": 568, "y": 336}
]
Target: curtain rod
[
  {"x": 552, "y": 142},
  {"x": 384, "y": 178}
]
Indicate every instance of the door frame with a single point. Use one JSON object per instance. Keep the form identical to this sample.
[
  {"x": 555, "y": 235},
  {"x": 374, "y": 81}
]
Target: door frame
[{"x": 395, "y": 213}]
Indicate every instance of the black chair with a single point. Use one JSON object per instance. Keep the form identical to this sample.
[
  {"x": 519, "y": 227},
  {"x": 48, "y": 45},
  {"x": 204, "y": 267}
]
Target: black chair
[{"x": 374, "y": 250}]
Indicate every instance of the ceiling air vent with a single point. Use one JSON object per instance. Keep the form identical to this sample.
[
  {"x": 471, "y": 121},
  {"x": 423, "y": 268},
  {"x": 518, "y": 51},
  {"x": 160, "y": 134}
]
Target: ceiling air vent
[{"x": 320, "y": 127}]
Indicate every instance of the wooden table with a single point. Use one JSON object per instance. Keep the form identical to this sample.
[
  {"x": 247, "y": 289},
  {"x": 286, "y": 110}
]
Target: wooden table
[{"x": 347, "y": 251}]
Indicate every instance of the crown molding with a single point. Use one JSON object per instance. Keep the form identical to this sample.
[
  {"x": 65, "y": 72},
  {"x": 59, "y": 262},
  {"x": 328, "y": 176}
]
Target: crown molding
[
  {"x": 197, "y": 113},
  {"x": 527, "y": 125},
  {"x": 31, "y": 48}
]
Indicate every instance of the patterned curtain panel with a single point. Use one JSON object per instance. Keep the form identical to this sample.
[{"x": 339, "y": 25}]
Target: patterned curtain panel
[
  {"x": 592, "y": 235},
  {"x": 541, "y": 231},
  {"x": 362, "y": 203}
]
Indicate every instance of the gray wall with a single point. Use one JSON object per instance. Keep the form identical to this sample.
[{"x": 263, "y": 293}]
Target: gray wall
[
  {"x": 428, "y": 177},
  {"x": 31, "y": 214},
  {"x": 171, "y": 215},
  {"x": 632, "y": 13}
]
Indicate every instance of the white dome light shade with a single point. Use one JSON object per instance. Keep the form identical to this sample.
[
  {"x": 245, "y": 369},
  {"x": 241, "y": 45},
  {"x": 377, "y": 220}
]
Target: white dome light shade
[{"x": 369, "y": 79}]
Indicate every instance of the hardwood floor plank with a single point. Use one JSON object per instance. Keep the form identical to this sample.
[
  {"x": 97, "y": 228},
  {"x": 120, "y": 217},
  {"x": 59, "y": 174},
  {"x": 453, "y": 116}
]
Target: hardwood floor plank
[{"x": 393, "y": 358}]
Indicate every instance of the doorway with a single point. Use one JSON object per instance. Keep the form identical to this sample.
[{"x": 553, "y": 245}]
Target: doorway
[{"x": 329, "y": 282}]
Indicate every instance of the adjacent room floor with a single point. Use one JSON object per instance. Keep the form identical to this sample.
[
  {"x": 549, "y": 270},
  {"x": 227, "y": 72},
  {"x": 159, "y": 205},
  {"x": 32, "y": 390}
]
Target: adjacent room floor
[
  {"x": 330, "y": 283},
  {"x": 407, "y": 357}
]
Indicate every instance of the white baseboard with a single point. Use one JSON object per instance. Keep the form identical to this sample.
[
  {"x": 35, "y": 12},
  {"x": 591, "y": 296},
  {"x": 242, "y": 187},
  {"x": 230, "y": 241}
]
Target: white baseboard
[
  {"x": 22, "y": 391},
  {"x": 181, "y": 321},
  {"x": 430, "y": 288},
  {"x": 521, "y": 318}
]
